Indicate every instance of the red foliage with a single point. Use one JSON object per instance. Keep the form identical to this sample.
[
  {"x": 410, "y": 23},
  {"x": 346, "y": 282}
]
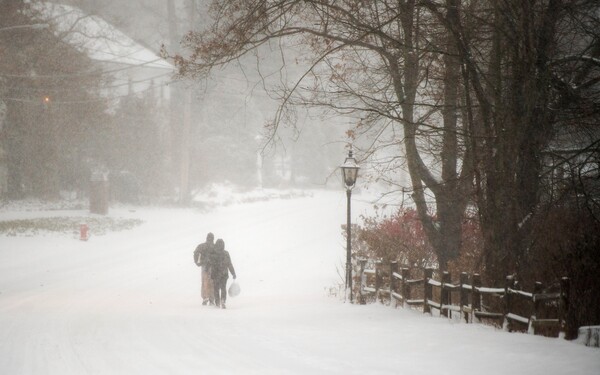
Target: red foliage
[{"x": 401, "y": 238}]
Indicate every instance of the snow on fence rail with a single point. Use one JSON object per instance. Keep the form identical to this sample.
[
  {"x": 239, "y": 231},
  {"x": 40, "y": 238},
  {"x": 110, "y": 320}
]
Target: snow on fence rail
[{"x": 465, "y": 297}]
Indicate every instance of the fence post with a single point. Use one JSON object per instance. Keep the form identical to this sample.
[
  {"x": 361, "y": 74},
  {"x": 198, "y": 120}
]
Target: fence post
[
  {"x": 563, "y": 305},
  {"x": 405, "y": 287},
  {"x": 464, "y": 299},
  {"x": 363, "y": 264},
  {"x": 510, "y": 281},
  {"x": 427, "y": 290},
  {"x": 393, "y": 269},
  {"x": 537, "y": 289},
  {"x": 445, "y": 295},
  {"x": 475, "y": 295}
]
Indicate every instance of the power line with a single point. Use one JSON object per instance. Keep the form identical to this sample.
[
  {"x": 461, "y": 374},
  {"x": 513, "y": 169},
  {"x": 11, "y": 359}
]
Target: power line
[
  {"x": 99, "y": 87},
  {"x": 88, "y": 74},
  {"x": 103, "y": 99}
]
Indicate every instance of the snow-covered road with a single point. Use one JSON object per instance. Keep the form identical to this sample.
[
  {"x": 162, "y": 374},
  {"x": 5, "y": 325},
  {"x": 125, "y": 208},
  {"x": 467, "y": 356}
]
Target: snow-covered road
[{"x": 129, "y": 303}]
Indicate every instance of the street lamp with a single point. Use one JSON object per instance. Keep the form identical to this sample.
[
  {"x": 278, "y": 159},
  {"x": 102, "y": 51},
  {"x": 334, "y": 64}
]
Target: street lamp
[{"x": 349, "y": 174}]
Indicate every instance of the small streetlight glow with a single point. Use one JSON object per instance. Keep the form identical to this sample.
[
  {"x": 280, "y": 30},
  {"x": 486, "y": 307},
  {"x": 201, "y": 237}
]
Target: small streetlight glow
[{"x": 350, "y": 171}]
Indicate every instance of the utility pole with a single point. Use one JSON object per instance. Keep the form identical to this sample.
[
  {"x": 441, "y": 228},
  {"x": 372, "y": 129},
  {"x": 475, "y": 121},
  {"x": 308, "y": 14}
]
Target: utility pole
[
  {"x": 184, "y": 190},
  {"x": 174, "y": 98},
  {"x": 184, "y": 182},
  {"x": 180, "y": 111}
]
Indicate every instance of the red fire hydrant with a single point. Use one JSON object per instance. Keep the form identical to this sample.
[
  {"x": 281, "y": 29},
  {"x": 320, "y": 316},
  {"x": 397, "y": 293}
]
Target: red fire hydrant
[{"x": 84, "y": 232}]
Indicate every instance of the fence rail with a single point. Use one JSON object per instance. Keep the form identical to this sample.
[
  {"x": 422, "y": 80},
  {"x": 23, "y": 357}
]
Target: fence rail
[{"x": 465, "y": 297}]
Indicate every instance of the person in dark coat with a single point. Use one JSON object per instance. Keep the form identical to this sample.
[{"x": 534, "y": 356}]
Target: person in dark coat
[
  {"x": 202, "y": 257},
  {"x": 220, "y": 267}
]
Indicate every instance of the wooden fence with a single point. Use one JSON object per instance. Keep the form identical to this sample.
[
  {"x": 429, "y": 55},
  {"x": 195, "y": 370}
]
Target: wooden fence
[{"x": 401, "y": 287}]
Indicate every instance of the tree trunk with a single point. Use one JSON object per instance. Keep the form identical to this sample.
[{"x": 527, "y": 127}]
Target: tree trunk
[{"x": 451, "y": 192}]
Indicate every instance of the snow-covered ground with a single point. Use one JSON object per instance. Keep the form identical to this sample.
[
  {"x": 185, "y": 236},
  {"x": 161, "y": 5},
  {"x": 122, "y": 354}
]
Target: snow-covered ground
[{"x": 128, "y": 302}]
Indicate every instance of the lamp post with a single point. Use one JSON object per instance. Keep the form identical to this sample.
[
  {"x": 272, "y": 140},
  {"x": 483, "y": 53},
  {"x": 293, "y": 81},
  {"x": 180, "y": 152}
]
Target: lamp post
[{"x": 349, "y": 173}]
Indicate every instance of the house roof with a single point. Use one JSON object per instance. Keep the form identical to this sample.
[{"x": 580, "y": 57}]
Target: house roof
[{"x": 97, "y": 38}]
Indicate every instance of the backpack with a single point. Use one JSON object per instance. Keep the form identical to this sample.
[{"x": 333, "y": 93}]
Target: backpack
[{"x": 218, "y": 263}]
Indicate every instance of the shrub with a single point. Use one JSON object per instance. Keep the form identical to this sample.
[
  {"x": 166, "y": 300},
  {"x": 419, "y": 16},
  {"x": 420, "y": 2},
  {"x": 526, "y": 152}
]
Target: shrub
[
  {"x": 401, "y": 238},
  {"x": 397, "y": 238}
]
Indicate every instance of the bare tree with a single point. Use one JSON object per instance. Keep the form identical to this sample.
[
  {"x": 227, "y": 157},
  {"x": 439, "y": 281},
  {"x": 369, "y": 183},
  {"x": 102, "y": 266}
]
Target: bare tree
[
  {"x": 384, "y": 63},
  {"x": 530, "y": 70},
  {"x": 51, "y": 110}
]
